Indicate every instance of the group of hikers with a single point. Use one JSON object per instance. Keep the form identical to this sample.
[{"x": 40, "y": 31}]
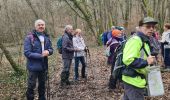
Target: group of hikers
[
  {"x": 37, "y": 48},
  {"x": 130, "y": 57},
  {"x": 139, "y": 51}
]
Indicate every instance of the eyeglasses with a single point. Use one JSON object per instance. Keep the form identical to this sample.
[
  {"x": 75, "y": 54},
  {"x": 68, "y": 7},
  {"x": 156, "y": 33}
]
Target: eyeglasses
[{"x": 150, "y": 26}]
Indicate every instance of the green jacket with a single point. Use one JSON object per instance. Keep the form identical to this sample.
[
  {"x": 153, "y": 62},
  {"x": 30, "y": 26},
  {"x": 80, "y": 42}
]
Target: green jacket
[{"x": 135, "y": 57}]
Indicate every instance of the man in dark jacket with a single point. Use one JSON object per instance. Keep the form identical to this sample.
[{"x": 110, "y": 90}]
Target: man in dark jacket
[
  {"x": 37, "y": 48},
  {"x": 67, "y": 54}
]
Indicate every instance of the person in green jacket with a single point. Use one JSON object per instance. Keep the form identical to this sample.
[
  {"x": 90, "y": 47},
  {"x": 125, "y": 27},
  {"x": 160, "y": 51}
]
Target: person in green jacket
[{"x": 136, "y": 57}]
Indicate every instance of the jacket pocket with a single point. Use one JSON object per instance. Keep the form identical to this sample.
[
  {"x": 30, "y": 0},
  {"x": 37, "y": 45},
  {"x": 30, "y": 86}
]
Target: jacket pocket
[{"x": 35, "y": 65}]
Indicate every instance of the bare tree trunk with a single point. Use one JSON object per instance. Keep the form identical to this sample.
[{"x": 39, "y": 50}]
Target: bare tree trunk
[
  {"x": 86, "y": 16},
  {"x": 143, "y": 6},
  {"x": 1, "y": 55},
  {"x": 11, "y": 61},
  {"x": 33, "y": 10},
  {"x": 168, "y": 11},
  {"x": 127, "y": 12}
]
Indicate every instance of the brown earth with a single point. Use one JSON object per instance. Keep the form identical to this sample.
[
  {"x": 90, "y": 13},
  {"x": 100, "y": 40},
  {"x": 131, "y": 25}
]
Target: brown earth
[{"x": 95, "y": 87}]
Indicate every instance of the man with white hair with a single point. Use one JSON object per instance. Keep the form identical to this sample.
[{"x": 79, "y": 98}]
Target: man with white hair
[
  {"x": 37, "y": 48},
  {"x": 67, "y": 54}
]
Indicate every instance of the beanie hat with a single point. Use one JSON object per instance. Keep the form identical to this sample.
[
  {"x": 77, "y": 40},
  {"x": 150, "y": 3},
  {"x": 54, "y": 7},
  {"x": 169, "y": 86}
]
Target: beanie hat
[{"x": 116, "y": 33}]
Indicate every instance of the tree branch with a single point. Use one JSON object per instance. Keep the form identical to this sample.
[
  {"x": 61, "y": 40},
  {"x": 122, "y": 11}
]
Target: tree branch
[
  {"x": 30, "y": 5},
  {"x": 74, "y": 9}
]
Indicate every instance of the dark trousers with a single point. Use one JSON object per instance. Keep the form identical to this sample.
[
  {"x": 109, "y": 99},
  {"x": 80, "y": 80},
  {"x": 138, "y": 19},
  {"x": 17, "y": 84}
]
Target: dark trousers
[
  {"x": 167, "y": 57},
  {"x": 32, "y": 77},
  {"x": 77, "y": 60},
  {"x": 112, "y": 80},
  {"x": 162, "y": 49},
  {"x": 133, "y": 93},
  {"x": 66, "y": 71}
]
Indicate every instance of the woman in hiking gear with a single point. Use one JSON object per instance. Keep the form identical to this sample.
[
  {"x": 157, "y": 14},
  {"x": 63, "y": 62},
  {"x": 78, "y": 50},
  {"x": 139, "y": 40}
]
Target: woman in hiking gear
[
  {"x": 78, "y": 43},
  {"x": 114, "y": 42},
  {"x": 165, "y": 42}
]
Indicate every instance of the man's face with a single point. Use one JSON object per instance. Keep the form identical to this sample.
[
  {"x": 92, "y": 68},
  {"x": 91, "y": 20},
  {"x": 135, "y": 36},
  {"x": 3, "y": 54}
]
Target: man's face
[
  {"x": 70, "y": 30},
  {"x": 148, "y": 29},
  {"x": 40, "y": 27}
]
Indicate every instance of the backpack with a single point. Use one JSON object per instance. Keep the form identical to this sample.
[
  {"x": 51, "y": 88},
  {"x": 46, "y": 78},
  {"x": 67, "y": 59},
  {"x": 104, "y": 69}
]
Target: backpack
[
  {"x": 119, "y": 66},
  {"x": 59, "y": 45},
  {"x": 31, "y": 36},
  {"x": 104, "y": 38},
  {"x": 155, "y": 46}
]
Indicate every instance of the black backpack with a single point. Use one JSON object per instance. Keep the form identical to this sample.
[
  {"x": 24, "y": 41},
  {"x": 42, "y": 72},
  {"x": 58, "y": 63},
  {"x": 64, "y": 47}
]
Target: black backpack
[
  {"x": 119, "y": 66},
  {"x": 155, "y": 46}
]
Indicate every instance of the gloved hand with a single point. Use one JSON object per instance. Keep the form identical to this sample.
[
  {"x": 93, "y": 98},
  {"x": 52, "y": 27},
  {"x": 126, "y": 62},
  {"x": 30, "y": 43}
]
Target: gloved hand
[
  {"x": 86, "y": 49},
  {"x": 166, "y": 43}
]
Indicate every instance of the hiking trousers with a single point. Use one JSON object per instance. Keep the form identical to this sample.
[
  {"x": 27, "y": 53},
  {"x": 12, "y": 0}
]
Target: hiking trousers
[
  {"x": 66, "y": 71},
  {"x": 132, "y": 93},
  {"x": 32, "y": 78},
  {"x": 77, "y": 60}
]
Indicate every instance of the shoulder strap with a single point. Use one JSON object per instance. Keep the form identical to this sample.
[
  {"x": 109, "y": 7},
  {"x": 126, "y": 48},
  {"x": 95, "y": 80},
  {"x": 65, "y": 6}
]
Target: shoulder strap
[
  {"x": 143, "y": 47},
  {"x": 31, "y": 37}
]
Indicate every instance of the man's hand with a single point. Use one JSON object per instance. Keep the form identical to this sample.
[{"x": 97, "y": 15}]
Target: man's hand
[
  {"x": 166, "y": 43},
  {"x": 45, "y": 53},
  {"x": 76, "y": 49},
  {"x": 151, "y": 60}
]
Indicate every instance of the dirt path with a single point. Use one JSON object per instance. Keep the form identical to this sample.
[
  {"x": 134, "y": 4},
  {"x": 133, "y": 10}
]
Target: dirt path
[{"x": 95, "y": 88}]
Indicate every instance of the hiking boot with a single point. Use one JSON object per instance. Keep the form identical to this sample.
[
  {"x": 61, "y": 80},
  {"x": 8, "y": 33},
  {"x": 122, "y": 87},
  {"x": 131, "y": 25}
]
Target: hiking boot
[
  {"x": 62, "y": 84},
  {"x": 76, "y": 79},
  {"x": 111, "y": 90},
  {"x": 68, "y": 83},
  {"x": 111, "y": 87},
  {"x": 84, "y": 77}
]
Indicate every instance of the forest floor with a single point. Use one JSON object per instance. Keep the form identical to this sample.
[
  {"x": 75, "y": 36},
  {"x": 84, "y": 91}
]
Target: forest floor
[
  {"x": 13, "y": 87},
  {"x": 96, "y": 85}
]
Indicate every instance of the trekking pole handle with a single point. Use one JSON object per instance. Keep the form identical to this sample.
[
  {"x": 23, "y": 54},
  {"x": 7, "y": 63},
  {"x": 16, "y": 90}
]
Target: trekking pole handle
[{"x": 87, "y": 50}]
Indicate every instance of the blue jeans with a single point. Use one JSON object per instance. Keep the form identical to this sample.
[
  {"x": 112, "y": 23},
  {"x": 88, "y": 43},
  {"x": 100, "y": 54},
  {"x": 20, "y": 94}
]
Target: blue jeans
[
  {"x": 82, "y": 60},
  {"x": 33, "y": 76}
]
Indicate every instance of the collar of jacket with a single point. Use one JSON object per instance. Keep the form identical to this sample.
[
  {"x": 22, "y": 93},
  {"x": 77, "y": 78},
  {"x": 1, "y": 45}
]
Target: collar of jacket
[
  {"x": 69, "y": 35},
  {"x": 118, "y": 38},
  {"x": 144, "y": 37},
  {"x": 35, "y": 33}
]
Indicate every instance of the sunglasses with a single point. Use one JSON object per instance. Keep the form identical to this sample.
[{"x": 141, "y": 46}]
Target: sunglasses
[{"x": 150, "y": 26}]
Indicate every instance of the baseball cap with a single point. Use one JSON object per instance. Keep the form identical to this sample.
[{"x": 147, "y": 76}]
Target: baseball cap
[{"x": 149, "y": 20}]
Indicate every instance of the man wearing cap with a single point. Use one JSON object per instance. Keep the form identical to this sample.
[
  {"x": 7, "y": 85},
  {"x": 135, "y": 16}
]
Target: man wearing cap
[{"x": 136, "y": 57}]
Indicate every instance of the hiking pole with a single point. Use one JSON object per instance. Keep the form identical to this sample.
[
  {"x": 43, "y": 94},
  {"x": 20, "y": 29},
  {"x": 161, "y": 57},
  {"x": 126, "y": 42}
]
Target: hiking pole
[
  {"x": 48, "y": 87},
  {"x": 86, "y": 59},
  {"x": 88, "y": 54}
]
